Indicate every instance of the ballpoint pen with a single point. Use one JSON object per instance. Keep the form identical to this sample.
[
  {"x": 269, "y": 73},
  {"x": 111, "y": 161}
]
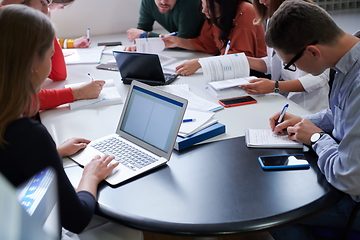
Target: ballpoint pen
[
  {"x": 188, "y": 120},
  {"x": 227, "y": 48},
  {"x": 170, "y": 34},
  {"x": 88, "y": 34},
  {"x": 283, "y": 111},
  {"x": 91, "y": 77}
]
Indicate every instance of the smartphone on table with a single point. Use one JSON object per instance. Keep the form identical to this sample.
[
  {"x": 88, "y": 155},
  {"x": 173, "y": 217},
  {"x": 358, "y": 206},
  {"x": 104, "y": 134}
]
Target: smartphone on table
[
  {"x": 236, "y": 101},
  {"x": 287, "y": 161}
]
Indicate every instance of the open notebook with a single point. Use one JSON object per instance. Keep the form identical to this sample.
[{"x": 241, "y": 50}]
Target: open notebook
[
  {"x": 145, "y": 135},
  {"x": 265, "y": 138},
  {"x": 109, "y": 96}
]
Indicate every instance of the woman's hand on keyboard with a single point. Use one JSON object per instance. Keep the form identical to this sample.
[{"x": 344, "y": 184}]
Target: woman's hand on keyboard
[{"x": 96, "y": 171}]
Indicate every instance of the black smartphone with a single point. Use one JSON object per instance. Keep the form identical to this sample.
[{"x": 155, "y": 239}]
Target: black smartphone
[
  {"x": 108, "y": 44},
  {"x": 231, "y": 102},
  {"x": 287, "y": 161}
]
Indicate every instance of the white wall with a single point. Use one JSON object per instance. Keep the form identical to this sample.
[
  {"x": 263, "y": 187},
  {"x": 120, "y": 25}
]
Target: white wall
[{"x": 102, "y": 16}]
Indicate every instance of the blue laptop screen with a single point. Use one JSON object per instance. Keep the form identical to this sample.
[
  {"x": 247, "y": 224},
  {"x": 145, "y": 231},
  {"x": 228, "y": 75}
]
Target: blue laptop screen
[{"x": 152, "y": 118}]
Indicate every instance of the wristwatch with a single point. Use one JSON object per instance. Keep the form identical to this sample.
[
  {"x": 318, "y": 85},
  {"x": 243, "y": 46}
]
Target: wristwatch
[
  {"x": 276, "y": 89},
  {"x": 315, "y": 137}
]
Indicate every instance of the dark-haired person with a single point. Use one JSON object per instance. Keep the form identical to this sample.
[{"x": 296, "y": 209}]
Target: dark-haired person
[
  {"x": 310, "y": 92},
  {"x": 314, "y": 43},
  {"x": 227, "y": 20}
]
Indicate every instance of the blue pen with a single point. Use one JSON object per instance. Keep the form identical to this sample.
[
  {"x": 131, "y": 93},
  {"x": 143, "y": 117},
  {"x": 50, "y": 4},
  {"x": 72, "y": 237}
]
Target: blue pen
[
  {"x": 283, "y": 111},
  {"x": 92, "y": 79},
  {"x": 170, "y": 34},
  {"x": 227, "y": 48},
  {"x": 88, "y": 34},
  {"x": 188, "y": 120}
]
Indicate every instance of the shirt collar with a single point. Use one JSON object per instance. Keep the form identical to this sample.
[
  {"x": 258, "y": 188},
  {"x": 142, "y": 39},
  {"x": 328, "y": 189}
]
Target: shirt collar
[{"x": 345, "y": 64}]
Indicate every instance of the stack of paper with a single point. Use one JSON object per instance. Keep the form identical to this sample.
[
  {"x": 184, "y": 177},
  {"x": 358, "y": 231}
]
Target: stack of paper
[
  {"x": 200, "y": 120},
  {"x": 194, "y": 101},
  {"x": 108, "y": 96},
  {"x": 83, "y": 55}
]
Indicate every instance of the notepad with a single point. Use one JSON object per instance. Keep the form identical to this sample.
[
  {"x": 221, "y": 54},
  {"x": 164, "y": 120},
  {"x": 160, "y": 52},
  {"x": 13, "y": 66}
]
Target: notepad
[
  {"x": 202, "y": 120},
  {"x": 265, "y": 138},
  {"x": 108, "y": 96},
  {"x": 194, "y": 101}
]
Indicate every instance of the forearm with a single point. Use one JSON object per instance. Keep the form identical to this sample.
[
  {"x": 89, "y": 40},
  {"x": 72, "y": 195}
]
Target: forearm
[
  {"x": 89, "y": 185},
  {"x": 291, "y": 86},
  {"x": 257, "y": 64},
  {"x": 185, "y": 43}
]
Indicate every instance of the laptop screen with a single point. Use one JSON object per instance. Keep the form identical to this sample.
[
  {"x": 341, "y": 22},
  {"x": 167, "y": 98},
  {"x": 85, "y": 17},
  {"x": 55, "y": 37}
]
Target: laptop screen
[
  {"x": 152, "y": 118},
  {"x": 143, "y": 66}
]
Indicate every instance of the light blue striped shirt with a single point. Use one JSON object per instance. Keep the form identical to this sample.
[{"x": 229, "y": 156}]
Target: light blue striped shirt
[{"x": 340, "y": 161}]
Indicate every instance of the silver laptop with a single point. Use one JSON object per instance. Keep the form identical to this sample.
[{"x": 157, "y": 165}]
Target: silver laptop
[{"x": 145, "y": 135}]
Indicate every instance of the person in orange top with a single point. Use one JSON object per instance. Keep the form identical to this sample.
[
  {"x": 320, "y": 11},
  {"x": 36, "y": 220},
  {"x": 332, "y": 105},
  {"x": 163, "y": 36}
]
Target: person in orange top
[{"x": 230, "y": 20}]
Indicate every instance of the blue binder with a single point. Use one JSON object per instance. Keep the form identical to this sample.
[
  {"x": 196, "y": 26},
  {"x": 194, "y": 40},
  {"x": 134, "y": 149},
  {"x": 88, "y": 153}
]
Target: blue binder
[{"x": 202, "y": 135}]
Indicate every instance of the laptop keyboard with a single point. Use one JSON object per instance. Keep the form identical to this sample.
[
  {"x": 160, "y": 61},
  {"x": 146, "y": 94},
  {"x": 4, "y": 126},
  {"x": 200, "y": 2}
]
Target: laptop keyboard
[{"x": 124, "y": 153}]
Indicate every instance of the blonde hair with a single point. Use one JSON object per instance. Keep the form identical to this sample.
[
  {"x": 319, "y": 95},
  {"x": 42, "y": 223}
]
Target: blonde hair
[{"x": 25, "y": 33}]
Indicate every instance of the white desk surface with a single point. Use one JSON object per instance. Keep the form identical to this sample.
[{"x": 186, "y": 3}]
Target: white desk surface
[{"x": 63, "y": 123}]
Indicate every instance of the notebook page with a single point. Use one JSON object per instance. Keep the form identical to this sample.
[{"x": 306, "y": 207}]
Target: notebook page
[
  {"x": 201, "y": 120},
  {"x": 83, "y": 55},
  {"x": 267, "y": 139}
]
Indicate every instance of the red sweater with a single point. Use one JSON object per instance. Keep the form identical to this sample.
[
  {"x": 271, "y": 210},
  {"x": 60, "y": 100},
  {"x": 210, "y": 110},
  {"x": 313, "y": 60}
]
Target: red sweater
[
  {"x": 55, "y": 97},
  {"x": 244, "y": 37}
]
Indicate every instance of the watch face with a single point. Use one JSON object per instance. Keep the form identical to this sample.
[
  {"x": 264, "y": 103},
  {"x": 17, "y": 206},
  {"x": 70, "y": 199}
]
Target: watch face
[
  {"x": 315, "y": 137},
  {"x": 276, "y": 90}
]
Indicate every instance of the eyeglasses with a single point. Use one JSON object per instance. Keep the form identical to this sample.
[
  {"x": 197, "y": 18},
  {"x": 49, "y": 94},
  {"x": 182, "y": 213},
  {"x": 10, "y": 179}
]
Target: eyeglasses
[{"x": 290, "y": 65}]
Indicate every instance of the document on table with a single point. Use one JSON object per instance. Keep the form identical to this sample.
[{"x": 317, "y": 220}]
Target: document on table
[
  {"x": 221, "y": 85},
  {"x": 225, "y": 67},
  {"x": 265, "y": 138},
  {"x": 83, "y": 55},
  {"x": 201, "y": 120},
  {"x": 149, "y": 45},
  {"x": 108, "y": 96},
  {"x": 194, "y": 102},
  {"x": 109, "y": 50}
]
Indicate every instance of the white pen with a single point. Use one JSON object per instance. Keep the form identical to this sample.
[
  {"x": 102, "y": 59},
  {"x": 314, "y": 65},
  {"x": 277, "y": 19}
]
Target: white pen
[
  {"x": 91, "y": 77},
  {"x": 227, "y": 48},
  {"x": 88, "y": 34},
  {"x": 283, "y": 111}
]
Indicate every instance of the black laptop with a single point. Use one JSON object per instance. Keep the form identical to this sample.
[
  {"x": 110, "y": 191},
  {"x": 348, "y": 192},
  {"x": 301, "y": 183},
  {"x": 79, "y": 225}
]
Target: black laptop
[{"x": 143, "y": 67}]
